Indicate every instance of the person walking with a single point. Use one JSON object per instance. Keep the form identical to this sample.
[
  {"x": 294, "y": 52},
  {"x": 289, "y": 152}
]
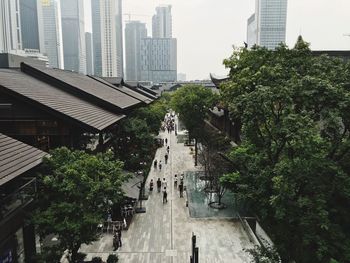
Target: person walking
[
  {"x": 175, "y": 180},
  {"x": 168, "y": 149},
  {"x": 166, "y": 156},
  {"x": 165, "y": 196},
  {"x": 159, "y": 185},
  {"x": 115, "y": 241},
  {"x": 151, "y": 185},
  {"x": 181, "y": 188},
  {"x": 164, "y": 183},
  {"x": 166, "y": 141},
  {"x": 155, "y": 164},
  {"x": 160, "y": 165}
]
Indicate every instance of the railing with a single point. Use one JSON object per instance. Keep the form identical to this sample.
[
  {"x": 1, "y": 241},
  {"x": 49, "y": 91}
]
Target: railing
[{"x": 18, "y": 198}]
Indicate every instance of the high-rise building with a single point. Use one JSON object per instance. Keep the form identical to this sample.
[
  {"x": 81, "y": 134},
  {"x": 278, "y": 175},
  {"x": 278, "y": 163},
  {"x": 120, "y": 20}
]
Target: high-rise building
[
  {"x": 10, "y": 26},
  {"x": 162, "y": 22},
  {"x": 158, "y": 59},
  {"x": 52, "y": 32},
  {"x": 119, "y": 33},
  {"x": 134, "y": 32},
  {"x": 32, "y": 25},
  {"x": 89, "y": 54},
  {"x": 73, "y": 35},
  {"x": 106, "y": 30},
  {"x": 268, "y": 26}
]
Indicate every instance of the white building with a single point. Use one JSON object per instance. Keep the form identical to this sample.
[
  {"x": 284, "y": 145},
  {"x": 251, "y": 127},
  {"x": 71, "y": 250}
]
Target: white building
[
  {"x": 89, "y": 54},
  {"x": 10, "y": 26},
  {"x": 267, "y": 27},
  {"x": 106, "y": 19},
  {"x": 159, "y": 59},
  {"x": 134, "y": 32},
  {"x": 162, "y": 22},
  {"x": 73, "y": 35},
  {"x": 53, "y": 32}
]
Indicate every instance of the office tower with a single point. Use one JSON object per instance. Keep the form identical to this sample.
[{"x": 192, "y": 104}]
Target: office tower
[
  {"x": 268, "y": 26},
  {"x": 73, "y": 35},
  {"x": 106, "y": 21},
  {"x": 119, "y": 33},
  {"x": 52, "y": 32},
  {"x": 32, "y": 25},
  {"x": 89, "y": 54},
  {"x": 134, "y": 32},
  {"x": 10, "y": 26},
  {"x": 162, "y": 22},
  {"x": 158, "y": 59}
]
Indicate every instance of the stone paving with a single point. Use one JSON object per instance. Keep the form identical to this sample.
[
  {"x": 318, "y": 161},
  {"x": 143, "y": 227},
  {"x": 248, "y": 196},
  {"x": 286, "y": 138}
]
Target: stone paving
[{"x": 163, "y": 233}]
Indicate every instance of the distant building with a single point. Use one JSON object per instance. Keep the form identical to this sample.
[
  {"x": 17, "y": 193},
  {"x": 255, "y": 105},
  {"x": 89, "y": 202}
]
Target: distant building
[
  {"x": 73, "y": 35},
  {"x": 159, "y": 59},
  {"x": 267, "y": 27},
  {"x": 181, "y": 77},
  {"x": 10, "y": 26},
  {"x": 52, "y": 32},
  {"x": 162, "y": 22},
  {"x": 32, "y": 25},
  {"x": 10, "y": 60},
  {"x": 89, "y": 54},
  {"x": 134, "y": 32},
  {"x": 107, "y": 38},
  {"x": 252, "y": 31}
]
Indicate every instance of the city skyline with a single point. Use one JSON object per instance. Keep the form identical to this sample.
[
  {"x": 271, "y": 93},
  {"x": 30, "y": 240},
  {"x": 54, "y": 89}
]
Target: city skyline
[{"x": 224, "y": 25}]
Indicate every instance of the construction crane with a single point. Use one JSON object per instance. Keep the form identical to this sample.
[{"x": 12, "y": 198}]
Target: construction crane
[{"x": 129, "y": 15}]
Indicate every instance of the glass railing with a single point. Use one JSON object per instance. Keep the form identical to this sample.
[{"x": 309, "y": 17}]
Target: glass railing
[{"x": 18, "y": 198}]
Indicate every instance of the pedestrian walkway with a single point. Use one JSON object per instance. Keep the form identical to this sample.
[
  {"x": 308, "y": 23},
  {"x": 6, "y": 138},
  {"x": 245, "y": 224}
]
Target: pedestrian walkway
[{"x": 163, "y": 234}]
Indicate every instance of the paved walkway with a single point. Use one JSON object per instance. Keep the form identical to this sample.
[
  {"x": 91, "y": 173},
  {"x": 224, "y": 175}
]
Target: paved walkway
[{"x": 163, "y": 233}]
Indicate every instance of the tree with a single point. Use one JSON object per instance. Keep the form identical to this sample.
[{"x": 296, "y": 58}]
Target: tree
[
  {"x": 292, "y": 165},
  {"x": 76, "y": 191},
  {"x": 193, "y": 102}
]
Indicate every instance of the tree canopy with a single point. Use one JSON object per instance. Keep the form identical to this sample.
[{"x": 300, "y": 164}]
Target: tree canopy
[
  {"x": 292, "y": 167},
  {"x": 76, "y": 191}
]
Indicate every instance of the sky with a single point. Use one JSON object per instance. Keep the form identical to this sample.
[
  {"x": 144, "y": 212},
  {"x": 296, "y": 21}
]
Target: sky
[{"x": 206, "y": 30}]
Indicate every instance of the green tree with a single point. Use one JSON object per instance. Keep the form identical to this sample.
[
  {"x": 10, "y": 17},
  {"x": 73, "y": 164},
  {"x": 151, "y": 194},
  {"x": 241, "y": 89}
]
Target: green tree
[
  {"x": 76, "y": 191},
  {"x": 292, "y": 165},
  {"x": 193, "y": 102}
]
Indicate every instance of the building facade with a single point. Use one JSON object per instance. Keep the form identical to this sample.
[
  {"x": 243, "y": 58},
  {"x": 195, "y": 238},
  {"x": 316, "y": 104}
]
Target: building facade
[
  {"x": 134, "y": 32},
  {"x": 89, "y": 54},
  {"x": 32, "y": 25},
  {"x": 106, "y": 26},
  {"x": 73, "y": 35},
  {"x": 162, "y": 22},
  {"x": 10, "y": 26},
  {"x": 52, "y": 32},
  {"x": 159, "y": 59},
  {"x": 267, "y": 27}
]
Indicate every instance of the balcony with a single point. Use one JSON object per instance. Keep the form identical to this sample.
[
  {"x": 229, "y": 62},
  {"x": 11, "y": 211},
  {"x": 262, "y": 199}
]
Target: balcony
[{"x": 18, "y": 198}]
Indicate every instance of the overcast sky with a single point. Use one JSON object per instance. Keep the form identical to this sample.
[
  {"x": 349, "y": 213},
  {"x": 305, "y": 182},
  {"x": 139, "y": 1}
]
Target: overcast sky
[{"x": 207, "y": 29}]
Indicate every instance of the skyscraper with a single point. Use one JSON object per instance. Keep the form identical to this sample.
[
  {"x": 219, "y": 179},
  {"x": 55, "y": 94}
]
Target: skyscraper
[
  {"x": 10, "y": 26},
  {"x": 31, "y": 25},
  {"x": 106, "y": 30},
  {"x": 52, "y": 32},
  {"x": 73, "y": 35},
  {"x": 162, "y": 22},
  {"x": 119, "y": 33},
  {"x": 89, "y": 54},
  {"x": 159, "y": 59},
  {"x": 270, "y": 22},
  {"x": 134, "y": 32}
]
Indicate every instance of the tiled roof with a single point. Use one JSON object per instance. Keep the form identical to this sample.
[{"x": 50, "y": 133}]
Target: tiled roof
[
  {"x": 16, "y": 158},
  {"x": 56, "y": 101},
  {"x": 84, "y": 85}
]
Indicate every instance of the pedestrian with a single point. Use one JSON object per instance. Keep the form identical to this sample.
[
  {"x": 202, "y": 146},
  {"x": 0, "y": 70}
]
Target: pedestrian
[
  {"x": 155, "y": 164},
  {"x": 159, "y": 185},
  {"x": 182, "y": 178},
  {"x": 151, "y": 186},
  {"x": 168, "y": 148},
  {"x": 166, "y": 141},
  {"x": 175, "y": 180},
  {"x": 164, "y": 183},
  {"x": 165, "y": 196},
  {"x": 181, "y": 189},
  {"x": 119, "y": 231},
  {"x": 160, "y": 165},
  {"x": 166, "y": 158}
]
